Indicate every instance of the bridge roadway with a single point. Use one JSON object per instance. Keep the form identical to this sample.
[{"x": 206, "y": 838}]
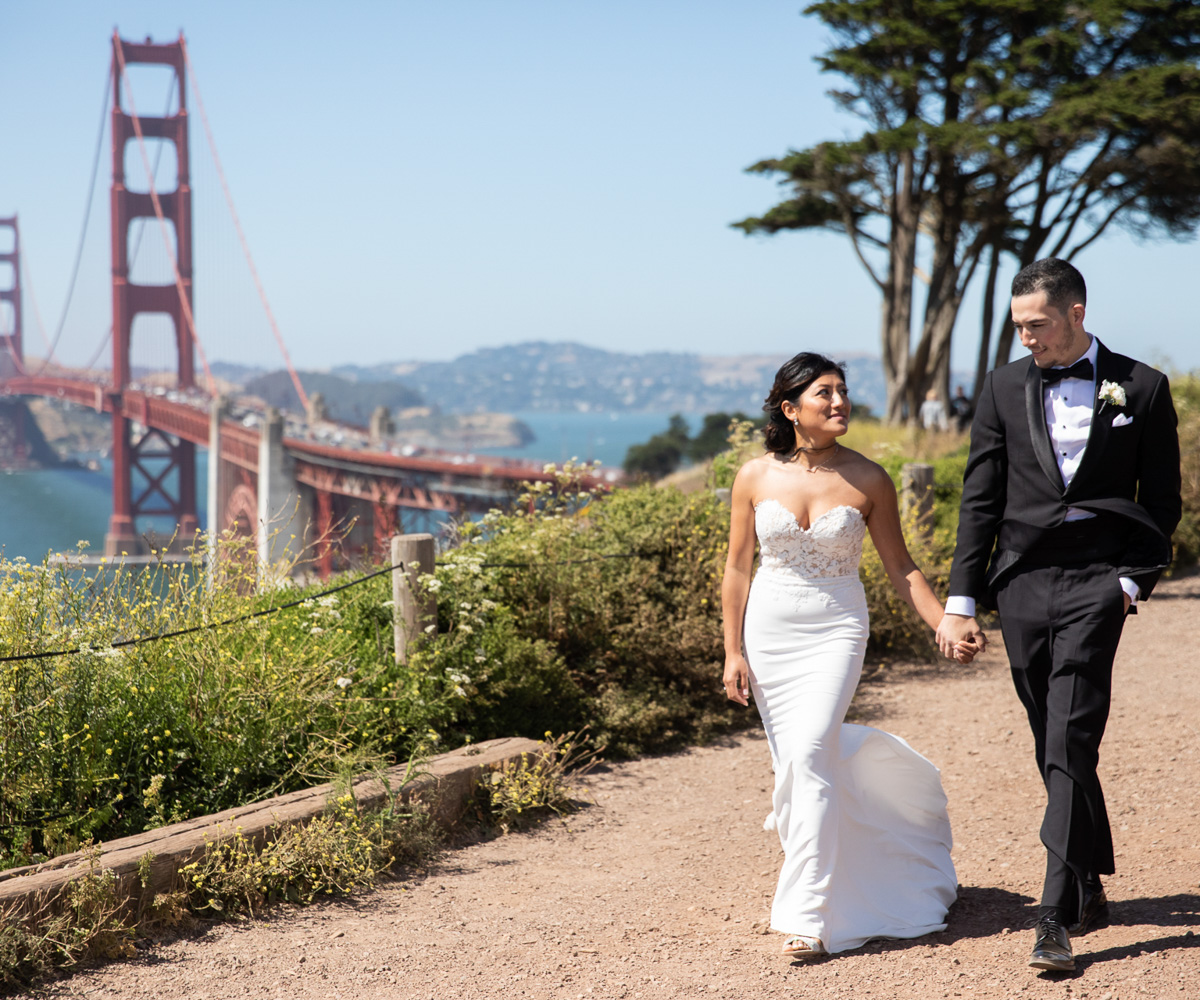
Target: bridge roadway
[{"x": 262, "y": 468}]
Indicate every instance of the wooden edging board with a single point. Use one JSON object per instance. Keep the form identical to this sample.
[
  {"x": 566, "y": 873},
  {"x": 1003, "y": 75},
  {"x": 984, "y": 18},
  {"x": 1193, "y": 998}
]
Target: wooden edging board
[{"x": 444, "y": 783}]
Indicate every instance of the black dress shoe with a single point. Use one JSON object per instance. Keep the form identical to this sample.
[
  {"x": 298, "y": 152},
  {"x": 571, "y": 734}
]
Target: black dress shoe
[
  {"x": 1052, "y": 949},
  {"x": 1093, "y": 913}
]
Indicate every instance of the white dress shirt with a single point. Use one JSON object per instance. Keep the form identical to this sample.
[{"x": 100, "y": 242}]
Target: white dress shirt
[{"x": 1069, "y": 405}]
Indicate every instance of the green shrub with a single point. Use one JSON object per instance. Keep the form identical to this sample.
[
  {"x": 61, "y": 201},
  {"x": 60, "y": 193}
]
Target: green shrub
[
  {"x": 570, "y": 635},
  {"x": 112, "y": 740}
]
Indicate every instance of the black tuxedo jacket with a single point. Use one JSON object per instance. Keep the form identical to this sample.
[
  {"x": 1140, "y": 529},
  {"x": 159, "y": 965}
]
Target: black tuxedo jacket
[{"x": 1013, "y": 491}]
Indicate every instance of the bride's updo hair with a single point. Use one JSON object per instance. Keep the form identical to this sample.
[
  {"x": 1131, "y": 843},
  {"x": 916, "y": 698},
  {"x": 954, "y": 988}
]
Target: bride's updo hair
[{"x": 792, "y": 379}]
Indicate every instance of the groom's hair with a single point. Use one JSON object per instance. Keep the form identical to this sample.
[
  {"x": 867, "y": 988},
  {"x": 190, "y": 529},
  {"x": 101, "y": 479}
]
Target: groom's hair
[
  {"x": 1062, "y": 283},
  {"x": 791, "y": 380}
]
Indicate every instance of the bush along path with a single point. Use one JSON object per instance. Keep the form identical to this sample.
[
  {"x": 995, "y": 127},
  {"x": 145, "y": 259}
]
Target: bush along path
[{"x": 661, "y": 886}]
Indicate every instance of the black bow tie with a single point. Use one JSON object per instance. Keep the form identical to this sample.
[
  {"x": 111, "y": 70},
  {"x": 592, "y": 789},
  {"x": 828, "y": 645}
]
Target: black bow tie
[{"x": 1081, "y": 369}]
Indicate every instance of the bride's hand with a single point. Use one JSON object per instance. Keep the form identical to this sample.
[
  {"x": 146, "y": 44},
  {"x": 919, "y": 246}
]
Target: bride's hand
[
  {"x": 966, "y": 651},
  {"x": 737, "y": 679}
]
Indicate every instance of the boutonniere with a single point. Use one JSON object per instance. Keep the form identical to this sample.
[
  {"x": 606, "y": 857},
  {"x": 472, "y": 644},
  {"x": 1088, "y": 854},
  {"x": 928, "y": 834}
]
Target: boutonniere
[{"x": 1112, "y": 393}]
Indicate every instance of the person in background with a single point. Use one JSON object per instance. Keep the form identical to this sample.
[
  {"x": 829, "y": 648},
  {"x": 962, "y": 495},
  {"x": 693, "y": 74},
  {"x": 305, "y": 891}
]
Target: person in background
[
  {"x": 933, "y": 412},
  {"x": 962, "y": 409}
]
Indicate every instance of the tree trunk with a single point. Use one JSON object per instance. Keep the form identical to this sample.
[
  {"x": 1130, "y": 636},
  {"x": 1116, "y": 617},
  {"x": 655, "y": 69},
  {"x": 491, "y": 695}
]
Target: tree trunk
[
  {"x": 985, "y": 325},
  {"x": 902, "y": 263}
]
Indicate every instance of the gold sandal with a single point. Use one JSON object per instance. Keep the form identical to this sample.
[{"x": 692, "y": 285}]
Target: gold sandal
[{"x": 802, "y": 946}]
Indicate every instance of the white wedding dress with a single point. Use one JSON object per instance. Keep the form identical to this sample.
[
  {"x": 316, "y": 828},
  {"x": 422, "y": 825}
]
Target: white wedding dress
[{"x": 860, "y": 814}]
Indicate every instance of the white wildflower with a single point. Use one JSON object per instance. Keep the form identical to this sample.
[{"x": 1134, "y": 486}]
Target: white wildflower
[{"x": 343, "y": 682}]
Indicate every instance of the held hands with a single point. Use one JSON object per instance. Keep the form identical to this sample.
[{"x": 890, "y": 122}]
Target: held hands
[
  {"x": 737, "y": 679},
  {"x": 960, "y": 638},
  {"x": 965, "y": 652}
]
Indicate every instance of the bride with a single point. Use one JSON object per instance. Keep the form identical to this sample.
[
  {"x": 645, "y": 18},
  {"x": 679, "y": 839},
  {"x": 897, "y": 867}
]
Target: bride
[{"x": 861, "y": 816}]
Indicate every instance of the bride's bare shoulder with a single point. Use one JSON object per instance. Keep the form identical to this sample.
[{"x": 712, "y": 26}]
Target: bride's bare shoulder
[
  {"x": 753, "y": 473},
  {"x": 868, "y": 475},
  {"x": 757, "y": 467}
]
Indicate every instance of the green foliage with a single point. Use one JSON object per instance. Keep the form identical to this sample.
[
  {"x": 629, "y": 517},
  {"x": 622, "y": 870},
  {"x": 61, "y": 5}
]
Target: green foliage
[
  {"x": 87, "y": 922},
  {"x": 661, "y": 455},
  {"x": 335, "y": 854},
  {"x": 992, "y": 127},
  {"x": 615, "y": 597},
  {"x": 112, "y": 740},
  {"x": 897, "y": 631},
  {"x": 713, "y": 436},
  {"x": 524, "y": 789},
  {"x": 742, "y": 444}
]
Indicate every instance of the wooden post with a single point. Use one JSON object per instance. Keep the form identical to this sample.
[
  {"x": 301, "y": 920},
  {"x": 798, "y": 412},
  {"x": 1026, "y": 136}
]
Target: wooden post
[
  {"x": 916, "y": 490},
  {"x": 411, "y": 613}
]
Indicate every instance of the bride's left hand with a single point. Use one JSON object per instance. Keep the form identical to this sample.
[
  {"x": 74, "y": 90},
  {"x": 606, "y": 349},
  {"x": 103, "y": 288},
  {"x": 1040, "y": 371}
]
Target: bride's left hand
[{"x": 737, "y": 679}]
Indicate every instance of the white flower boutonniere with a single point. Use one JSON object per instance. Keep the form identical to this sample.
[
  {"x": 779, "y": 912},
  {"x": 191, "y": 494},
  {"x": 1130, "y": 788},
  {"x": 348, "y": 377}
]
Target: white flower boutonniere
[{"x": 1112, "y": 393}]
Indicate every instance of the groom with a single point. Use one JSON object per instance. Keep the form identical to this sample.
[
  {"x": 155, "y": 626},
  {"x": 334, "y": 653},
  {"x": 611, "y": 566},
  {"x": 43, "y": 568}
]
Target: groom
[{"x": 1070, "y": 497}]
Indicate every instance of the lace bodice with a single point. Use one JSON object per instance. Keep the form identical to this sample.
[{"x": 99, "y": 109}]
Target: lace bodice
[{"x": 831, "y": 547}]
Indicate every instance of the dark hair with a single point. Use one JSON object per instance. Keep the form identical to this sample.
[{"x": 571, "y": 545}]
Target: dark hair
[
  {"x": 1062, "y": 283},
  {"x": 791, "y": 381}
]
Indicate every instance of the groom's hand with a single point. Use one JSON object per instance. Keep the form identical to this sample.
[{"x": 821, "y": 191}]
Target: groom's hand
[{"x": 955, "y": 629}]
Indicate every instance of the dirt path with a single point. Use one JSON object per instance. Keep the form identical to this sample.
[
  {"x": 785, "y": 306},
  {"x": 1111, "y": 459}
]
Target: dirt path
[{"x": 662, "y": 889}]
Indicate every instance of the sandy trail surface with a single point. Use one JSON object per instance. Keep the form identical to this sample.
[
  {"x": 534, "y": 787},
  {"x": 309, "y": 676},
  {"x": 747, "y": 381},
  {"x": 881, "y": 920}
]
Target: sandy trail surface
[{"x": 662, "y": 887}]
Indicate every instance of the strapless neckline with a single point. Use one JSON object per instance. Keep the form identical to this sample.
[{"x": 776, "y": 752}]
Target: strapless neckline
[{"x": 816, "y": 520}]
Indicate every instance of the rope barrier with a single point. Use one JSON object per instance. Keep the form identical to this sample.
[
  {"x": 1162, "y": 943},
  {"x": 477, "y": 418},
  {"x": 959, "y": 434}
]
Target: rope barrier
[
  {"x": 562, "y": 562},
  {"x": 140, "y": 640},
  {"x": 210, "y": 625}
]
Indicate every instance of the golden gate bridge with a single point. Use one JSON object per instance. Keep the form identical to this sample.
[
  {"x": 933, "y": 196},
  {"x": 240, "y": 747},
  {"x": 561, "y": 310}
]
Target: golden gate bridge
[{"x": 301, "y": 499}]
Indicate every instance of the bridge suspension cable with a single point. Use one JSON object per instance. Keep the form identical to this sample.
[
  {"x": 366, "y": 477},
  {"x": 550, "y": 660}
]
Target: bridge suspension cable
[
  {"x": 87, "y": 212},
  {"x": 237, "y": 224},
  {"x": 37, "y": 317},
  {"x": 90, "y": 366},
  {"x": 184, "y": 304}
]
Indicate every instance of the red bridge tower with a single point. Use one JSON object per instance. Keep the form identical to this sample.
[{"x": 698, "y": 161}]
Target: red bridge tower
[
  {"x": 13, "y": 450},
  {"x": 155, "y": 474}
]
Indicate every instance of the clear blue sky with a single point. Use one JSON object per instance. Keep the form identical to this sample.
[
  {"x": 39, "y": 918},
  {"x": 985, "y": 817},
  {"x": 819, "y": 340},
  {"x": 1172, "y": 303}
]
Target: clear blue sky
[{"x": 419, "y": 179}]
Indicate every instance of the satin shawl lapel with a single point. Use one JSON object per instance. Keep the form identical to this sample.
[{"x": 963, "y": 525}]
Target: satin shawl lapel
[
  {"x": 1035, "y": 412},
  {"x": 1102, "y": 418}
]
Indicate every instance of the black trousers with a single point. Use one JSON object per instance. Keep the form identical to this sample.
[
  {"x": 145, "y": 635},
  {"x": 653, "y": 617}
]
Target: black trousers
[{"x": 1061, "y": 625}]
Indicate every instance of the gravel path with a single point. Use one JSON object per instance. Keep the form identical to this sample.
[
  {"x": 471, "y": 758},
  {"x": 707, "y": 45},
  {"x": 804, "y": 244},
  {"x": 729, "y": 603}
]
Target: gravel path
[{"x": 662, "y": 887}]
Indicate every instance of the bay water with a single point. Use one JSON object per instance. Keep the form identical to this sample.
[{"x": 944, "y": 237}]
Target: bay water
[{"x": 52, "y": 510}]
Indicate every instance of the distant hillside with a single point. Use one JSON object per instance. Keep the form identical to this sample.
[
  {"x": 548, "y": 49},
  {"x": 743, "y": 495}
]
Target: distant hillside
[
  {"x": 564, "y": 377},
  {"x": 349, "y": 401},
  {"x": 558, "y": 378}
]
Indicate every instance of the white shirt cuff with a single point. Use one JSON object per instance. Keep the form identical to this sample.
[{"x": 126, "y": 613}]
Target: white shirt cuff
[
  {"x": 964, "y": 606},
  {"x": 1127, "y": 585}
]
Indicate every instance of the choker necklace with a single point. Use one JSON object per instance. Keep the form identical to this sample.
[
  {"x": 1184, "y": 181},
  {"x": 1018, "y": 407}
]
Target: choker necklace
[{"x": 823, "y": 463}]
